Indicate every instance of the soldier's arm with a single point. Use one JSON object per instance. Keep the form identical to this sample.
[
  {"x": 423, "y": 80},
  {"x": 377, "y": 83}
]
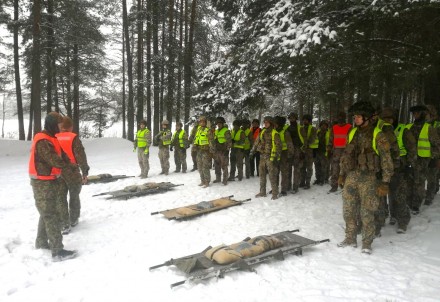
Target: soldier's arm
[
  {"x": 242, "y": 138},
  {"x": 148, "y": 138},
  {"x": 386, "y": 162},
  {"x": 46, "y": 152},
  {"x": 228, "y": 138},
  {"x": 80, "y": 155},
  {"x": 289, "y": 143},
  {"x": 410, "y": 143},
  {"x": 434, "y": 139},
  {"x": 255, "y": 145},
  {"x": 330, "y": 140},
  {"x": 312, "y": 137},
  {"x": 278, "y": 144}
]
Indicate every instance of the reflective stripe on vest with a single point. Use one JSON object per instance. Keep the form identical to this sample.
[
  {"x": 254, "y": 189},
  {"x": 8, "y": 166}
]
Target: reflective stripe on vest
[
  {"x": 247, "y": 142},
  {"x": 141, "y": 139},
  {"x": 220, "y": 135},
  {"x": 283, "y": 138},
  {"x": 202, "y": 136},
  {"x": 340, "y": 136},
  {"x": 273, "y": 151},
  {"x": 236, "y": 139},
  {"x": 314, "y": 145},
  {"x": 381, "y": 123},
  {"x": 55, "y": 172},
  {"x": 374, "y": 144},
  {"x": 196, "y": 137},
  {"x": 168, "y": 141},
  {"x": 327, "y": 139},
  {"x": 399, "y": 135},
  {"x": 423, "y": 143},
  {"x": 66, "y": 141},
  {"x": 181, "y": 134}
]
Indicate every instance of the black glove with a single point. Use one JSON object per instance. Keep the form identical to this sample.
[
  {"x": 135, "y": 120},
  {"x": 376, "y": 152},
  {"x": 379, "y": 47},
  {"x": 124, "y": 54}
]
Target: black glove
[{"x": 171, "y": 148}]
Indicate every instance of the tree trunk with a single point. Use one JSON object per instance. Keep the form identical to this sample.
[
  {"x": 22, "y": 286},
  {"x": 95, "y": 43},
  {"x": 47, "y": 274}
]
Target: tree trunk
[
  {"x": 124, "y": 131},
  {"x": 140, "y": 62},
  {"x": 179, "y": 66},
  {"x": 148, "y": 65},
  {"x": 156, "y": 69},
  {"x": 49, "y": 55},
  {"x": 130, "y": 105},
  {"x": 36, "y": 66},
  {"x": 170, "y": 97},
  {"x": 189, "y": 61},
  {"x": 75, "y": 116},
  {"x": 21, "y": 134},
  {"x": 162, "y": 65}
]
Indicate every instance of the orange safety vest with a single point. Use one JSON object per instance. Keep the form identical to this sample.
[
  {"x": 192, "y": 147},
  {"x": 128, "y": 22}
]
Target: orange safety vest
[
  {"x": 256, "y": 132},
  {"x": 55, "y": 172},
  {"x": 66, "y": 140},
  {"x": 340, "y": 134}
]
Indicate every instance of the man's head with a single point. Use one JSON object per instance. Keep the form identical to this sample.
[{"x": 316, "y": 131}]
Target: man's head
[
  {"x": 342, "y": 118},
  {"x": 220, "y": 122},
  {"x": 293, "y": 117},
  {"x": 52, "y": 123},
  {"x": 362, "y": 113},
  {"x": 202, "y": 121},
  {"x": 268, "y": 121},
  {"x": 255, "y": 123},
  {"x": 142, "y": 124},
  {"x": 323, "y": 125},
  {"x": 279, "y": 122},
  {"x": 236, "y": 124},
  {"x": 388, "y": 114},
  {"x": 419, "y": 112},
  {"x": 307, "y": 119},
  {"x": 179, "y": 125},
  {"x": 67, "y": 124},
  {"x": 165, "y": 124}
]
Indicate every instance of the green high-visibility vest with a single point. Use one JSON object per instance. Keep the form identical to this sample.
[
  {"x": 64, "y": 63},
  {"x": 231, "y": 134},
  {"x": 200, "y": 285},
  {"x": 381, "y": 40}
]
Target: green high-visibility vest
[
  {"x": 141, "y": 139},
  {"x": 327, "y": 139},
  {"x": 236, "y": 139},
  {"x": 315, "y": 144},
  {"x": 273, "y": 151},
  {"x": 247, "y": 142},
  {"x": 283, "y": 138},
  {"x": 423, "y": 143},
  {"x": 436, "y": 124},
  {"x": 202, "y": 136},
  {"x": 181, "y": 134},
  {"x": 399, "y": 135},
  {"x": 196, "y": 137},
  {"x": 168, "y": 141},
  {"x": 376, "y": 132},
  {"x": 220, "y": 135}
]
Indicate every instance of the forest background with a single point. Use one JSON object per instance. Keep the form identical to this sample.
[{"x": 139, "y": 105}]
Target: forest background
[{"x": 108, "y": 61}]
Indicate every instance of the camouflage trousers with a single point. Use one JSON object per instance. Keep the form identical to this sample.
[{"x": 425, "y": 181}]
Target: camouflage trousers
[
  {"x": 69, "y": 210},
  {"x": 221, "y": 161},
  {"x": 236, "y": 158},
  {"x": 255, "y": 163},
  {"x": 295, "y": 165},
  {"x": 334, "y": 170},
  {"x": 359, "y": 196},
  {"x": 432, "y": 181},
  {"x": 144, "y": 162},
  {"x": 321, "y": 167},
  {"x": 268, "y": 167},
  {"x": 307, "y": 165},
  {"x": 284, "y": 169},
  {"x": 420, "y": 173},
  {"x": 204, "y": 162},
  {"x": 380, "y": 215},
  {"x": 164, "y": 157},
  {"x": 194, "y": 151},
  {"x": 400, "y": 186},
  {"x": 247, "y": 163},
  {"x": 180, "y": 159},
  {"x": 46, "y": 195}
]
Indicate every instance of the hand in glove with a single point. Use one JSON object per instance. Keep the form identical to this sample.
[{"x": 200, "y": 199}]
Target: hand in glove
[
  {"x": 383, "y": 189},
  {"x": 341, "y": 181},
  {"x": 171, "y": 148}
]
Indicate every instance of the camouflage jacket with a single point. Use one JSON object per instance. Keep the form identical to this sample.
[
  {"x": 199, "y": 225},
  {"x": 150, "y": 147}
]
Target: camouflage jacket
[
  {"x": 264, "y": 143},
  {"x": 74, "y": 175},
  {"x": 308, "y": 139},
  {"x": 164, "y": 136},
  {"x": 175, "y": 140},
  {"x": 294, "y": 135},
  {"x": 388, "y": 130},
  {"x": 222, "y": 146},
  {"x": 433, "y": 136},
  {"x": 359, "y": 154}
]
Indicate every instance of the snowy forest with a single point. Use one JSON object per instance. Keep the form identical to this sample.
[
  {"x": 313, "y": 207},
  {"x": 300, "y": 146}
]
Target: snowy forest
[{"x": 123, "y": 61}]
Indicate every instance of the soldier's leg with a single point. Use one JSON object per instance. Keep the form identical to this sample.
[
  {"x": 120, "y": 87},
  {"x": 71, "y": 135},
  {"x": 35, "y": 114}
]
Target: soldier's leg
[
  {"x": 146, "y": 163},
  {"x": 160, "y": 154},
  {"x": 318, "y": 169},
  {"x": 218, "y": 166},
  {"x": 257, "y": 161},
  {"x": 199, "y": 166},
  {"x": 401, "y": 209},
  {"x": 351, "y": 200},
  {"x": 63, "y": 204},
  {"x": 247, "y": 163},
  {"x": 273, "y": 177},
  {"x": 419, "y": 184},
  {"x": 194, "y": 157},
  {"x": 252, "y": 166},
  {"x": 75, "y": 202},
  {"x": 335, "y": 167},
  {"x": 239, "y": 162},
  {"x": 206, "y": 167},
  {"x": 369, "y": 205},
  {"x": 166, "y": 160},
  {"x": 140, "y": 153},
  {"x": 379, "y": 216},
  {"x": 309, "y": 167},
  {"x": 431, "y": 178},
  {"x": 177, "y": 157},
  {"x": 284, "y": 169},
  {"x": 46, "y": 198},
  {"x": 262, "y": 171},
  {"x": 182, "y": 156},
  {"x": 224, "y": 162},
  {"x": 233, "y": 163}
]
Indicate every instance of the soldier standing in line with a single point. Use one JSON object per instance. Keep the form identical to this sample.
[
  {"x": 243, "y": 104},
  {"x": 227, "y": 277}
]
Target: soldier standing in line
[
  {"x": 204, "y": 155},
  {"x": 45, "y": 165},
  {"x": 287, "y": 151},
  {"x": 180, "y": 143},
  {"x": 309, "y": 142},
  {"x": 366, "y": 156},
  {"x": 195, "y": 144},
  {"x": 269, "y": 146},
  {"x": 428, "y": 144},
  {"x": 163, "y": 138},
  {"x": 321, "y": 157},
  {"x": 72, "y": 180},
  {"x": 142, "y": 143},
  {"x": 222, "y": 144},
  {"x": 247, "y": 147},
  {"x": 237, "y": 153},
  {"x": 255, "y": 159},
  {"x": 296, "y": 161},
  {"x": 433, "y": 170},
  {"x": 336, "y": 146}
]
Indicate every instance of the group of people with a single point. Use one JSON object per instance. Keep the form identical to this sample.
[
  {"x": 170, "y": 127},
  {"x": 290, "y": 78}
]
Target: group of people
[{"x": 57, "y": 168}]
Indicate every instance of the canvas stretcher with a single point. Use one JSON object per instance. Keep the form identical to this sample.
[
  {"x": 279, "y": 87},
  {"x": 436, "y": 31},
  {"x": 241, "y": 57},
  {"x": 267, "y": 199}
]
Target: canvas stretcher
[
  {"x": 104, "y": 178},
  {"x": 139, "y": 190}
]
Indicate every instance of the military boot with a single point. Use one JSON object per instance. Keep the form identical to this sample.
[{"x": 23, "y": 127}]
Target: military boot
[
  {"x": 307, "y": 185},
  {"x": 348, "y": 242},
  {"x": 205, "y": 185},
  {"x": 294, "y": 190},
  {"x": 366, "y": 248},
  {"x": 260, "y": 195},
  {"x": 401, "y": 229},
  {"x": 333, "y": 189},
  {"x": 393, "y": 221},
  {"x": 63, "y": 255},
  {"x": 217, "y": 180}
]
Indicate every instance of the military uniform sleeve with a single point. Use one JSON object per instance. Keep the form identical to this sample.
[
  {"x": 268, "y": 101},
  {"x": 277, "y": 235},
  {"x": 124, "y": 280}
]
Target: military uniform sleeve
[
  {"x": 148, "y": 138},
  {"x": 278, "y": 144},
  {"x": 242, "y": 138},
  {"x": 330, "y": 140},
  {"x": 312, "y": 138},
  {"x": 46, "y": 153},
  {"x": 410, "y": 143},
  {"x": 228, "y": 138},
  {"x": 80, "y": 155},
  {"x": 192, "y": 135},
  {"x": 289, "y": 143},
  {"x": 434, "y": 139},
  {"x": 255, "y": 145},
  {"x": 386, "y": 162}
]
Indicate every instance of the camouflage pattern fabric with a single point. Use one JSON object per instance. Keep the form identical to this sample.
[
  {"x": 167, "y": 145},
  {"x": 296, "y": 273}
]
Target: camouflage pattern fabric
[
  {"x": 180, "y": 159},
  {"x": 295, "y": 165},
  {"x": 204, "y": 162},
  {"x": 321, "y": 167},
  {"x": 221, "y": 159},
  {"x": 46, "y": 195},
  {"x": 164, "y": 157},
  {"x": 69, "y": 210},
  {"x": 334, "y": 170},
  {"x": 239, "y": 160},
  {"x": 144, "y": 161},
  {"x": 247, "y": 163},
  {"x": 232, "y": 162},
  {"x": 268, "y": 167},
  {"x": 306, "y": 165},
  {"x": 255, "y": 163},
  {"x": 400, "y": 188},
  {"x": 284, "y": 169},
  {"x": 194, "y": 148}
]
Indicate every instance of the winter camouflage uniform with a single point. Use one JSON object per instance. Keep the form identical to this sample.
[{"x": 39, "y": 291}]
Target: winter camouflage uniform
[
  {"x": 194, "y": 147},
  {"x": 180, "y": 143},
  {"x": 237, "y": 153},
  {"x": 335, "y": 153},
  {"x": 433, "y": 172},
  {"x": 164, "y": 140},
  {"x": 361, "y": 166},
  {"x": 221, "y": 154},
  {"x": 47, "y": 195},
  {"x": 268, "y": 159},
  {"x": 204, "y": 155},
  {"x": 143, "y": 143},
  {"x": 308, "y": 134},
  {"x": 72, "y": 183},
  {"x": 287, "y": 152},
  {"x": 296, "y": 160},
  {"x": 321, "y": 158}
]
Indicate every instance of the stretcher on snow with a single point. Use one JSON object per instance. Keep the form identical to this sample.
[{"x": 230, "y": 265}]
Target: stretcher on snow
[
  {"x": 217, "y": 261},
  {"x": 139, "y": 190},
  {"x": 201, "y": 208},
  {"x": 104, "y": 178}
]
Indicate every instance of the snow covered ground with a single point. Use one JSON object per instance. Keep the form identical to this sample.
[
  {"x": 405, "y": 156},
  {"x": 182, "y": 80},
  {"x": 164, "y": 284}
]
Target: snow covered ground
[{"x": 119, "y": 240}]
